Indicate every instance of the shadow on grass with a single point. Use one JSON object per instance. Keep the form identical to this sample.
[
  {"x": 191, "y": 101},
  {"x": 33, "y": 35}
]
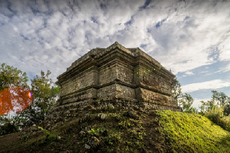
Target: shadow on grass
[{"x": 225, "y": 140}]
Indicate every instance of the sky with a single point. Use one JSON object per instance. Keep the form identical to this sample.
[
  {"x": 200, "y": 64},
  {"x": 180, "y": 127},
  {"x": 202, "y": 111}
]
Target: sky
[{"x": 192, "y": 38}]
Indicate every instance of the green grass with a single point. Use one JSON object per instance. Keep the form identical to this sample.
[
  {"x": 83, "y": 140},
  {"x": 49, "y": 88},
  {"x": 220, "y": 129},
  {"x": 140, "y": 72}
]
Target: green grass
[{"x": 193, "y": 132}]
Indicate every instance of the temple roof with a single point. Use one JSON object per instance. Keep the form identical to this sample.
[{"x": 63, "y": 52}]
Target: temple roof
[{"x": 98, "y": 52}]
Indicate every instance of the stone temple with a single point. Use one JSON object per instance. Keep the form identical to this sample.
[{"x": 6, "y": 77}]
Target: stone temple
[{"x": 117, "y": 75}]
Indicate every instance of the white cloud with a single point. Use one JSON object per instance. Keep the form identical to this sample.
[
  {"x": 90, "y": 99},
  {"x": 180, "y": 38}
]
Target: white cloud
[
  {"x": 188, "y": 73},
  {"x": 58, "y": 32},
  {"x": 224, "y": 69},
  {"x": 187, "y": 44},
  {"x": 225, "y": 49},
  {"x": 213, "y": 84}
]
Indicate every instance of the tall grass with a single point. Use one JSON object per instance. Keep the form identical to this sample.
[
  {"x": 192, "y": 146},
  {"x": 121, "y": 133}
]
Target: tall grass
[{"x": 216, "y": 116}]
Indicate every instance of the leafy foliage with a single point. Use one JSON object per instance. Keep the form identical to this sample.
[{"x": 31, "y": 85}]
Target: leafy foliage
[
  {"x": 44, "y": 130},
  {"x": 186, "y": 102},
  {"x": 176, "y": 90},
  {"x": 8, "y": 128},
  {"x": 217, "y": 109},
  {"x": 10, "y": 76},
  {"x": 216, "y": 115},
  {"x": 44, "y": 95},
  {"x": 44, "y": 92},
  {"x": 219, "y": 99},
  {"x": 227, "y": 109}
]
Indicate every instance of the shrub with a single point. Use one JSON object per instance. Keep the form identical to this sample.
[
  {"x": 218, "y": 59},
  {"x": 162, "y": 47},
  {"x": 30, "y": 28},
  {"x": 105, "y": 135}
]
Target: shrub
[
  {"x": 8, "y": 128},
  {"x": 225, "y": 123},
  {"x": 216, "y": 116}
]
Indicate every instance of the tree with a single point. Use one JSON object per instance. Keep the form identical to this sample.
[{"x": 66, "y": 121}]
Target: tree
[
  {"x": 219, "y": 99},
  {"x": 176, "y": 90},
  {"x": 9, "y": 77},
  {"x": 222, "y": 100},
  {"x": 186, "y": 102},
  {"x": 44, "y": 95},
  {"x": 207, "y": 106}
]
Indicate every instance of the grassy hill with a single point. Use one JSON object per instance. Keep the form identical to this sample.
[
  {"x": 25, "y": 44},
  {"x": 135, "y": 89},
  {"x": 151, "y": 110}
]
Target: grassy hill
[{"x": 124, "y": 131}]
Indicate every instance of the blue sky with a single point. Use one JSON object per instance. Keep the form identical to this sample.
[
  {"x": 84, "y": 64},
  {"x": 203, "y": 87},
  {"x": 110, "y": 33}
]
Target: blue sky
[{"x": 192, "y": 38}]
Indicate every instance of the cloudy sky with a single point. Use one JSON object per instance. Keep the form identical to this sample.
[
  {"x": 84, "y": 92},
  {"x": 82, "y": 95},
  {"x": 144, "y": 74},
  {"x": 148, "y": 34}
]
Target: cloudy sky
[{"x": 192, "y": 38}]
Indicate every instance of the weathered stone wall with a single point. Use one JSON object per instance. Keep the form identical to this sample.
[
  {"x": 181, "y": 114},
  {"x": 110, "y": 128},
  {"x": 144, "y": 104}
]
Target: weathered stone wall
[
  {"x": 125, "y": 92},
  {"x": 107, "y": 74},
  {"x": 117, "y": 72},
  {"x": 153, "y": 97},
  {"x": 84, "y": 79},
  {"x": 68, "y": 109},
  {"x": 125, "y": 73},
  {"x": 154, "y": 79},
  {"x": 107, "y": 91},
  {"x": 79, "y": 96}
]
